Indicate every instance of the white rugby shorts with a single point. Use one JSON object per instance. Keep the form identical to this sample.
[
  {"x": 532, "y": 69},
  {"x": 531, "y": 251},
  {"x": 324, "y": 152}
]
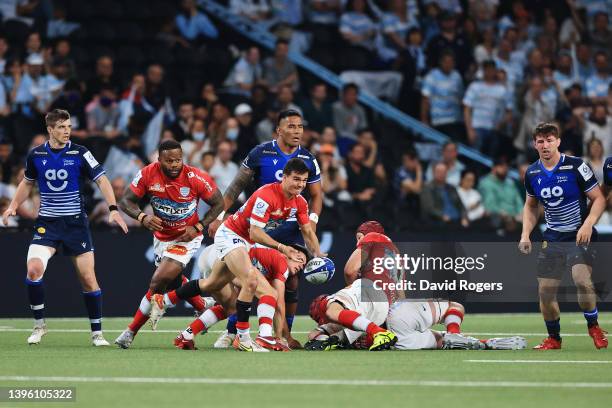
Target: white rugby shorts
[
  {"x": 227, "y": 240},
  {"x": 179, "y": 251}
]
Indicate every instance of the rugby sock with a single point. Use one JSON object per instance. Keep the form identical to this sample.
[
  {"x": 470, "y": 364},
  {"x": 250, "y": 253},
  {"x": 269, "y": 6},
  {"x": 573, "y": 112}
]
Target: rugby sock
[
  {"x": 265, "y": 313},
  {"x": 197, "y": 302},
  {"x": 591, "y": 317},
  {"x": 142, "y": 314},
  {"x": 93, "y": 303},
  {"x": 205, "y": 321},
  {"x": 36, "y": 295},
  {"x": 452, "y": 321},
  {"x": 353, "y": 320},
  {"x": 170, "y": 298},
  {"x": 289, "y": 319},
  {"x": 554, "y": 328},
  {"x": 188, "y": 290},
  {"x": 243, "y": 310},
  {"x": 231, "y": 323}
]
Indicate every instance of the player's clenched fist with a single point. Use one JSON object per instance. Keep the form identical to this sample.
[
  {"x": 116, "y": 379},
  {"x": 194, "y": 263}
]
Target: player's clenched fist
[
  {"x": 152, "y": 222},
  {"x": 525, "y": 246},
  {"x": 10, "y": 212},
  {"x": 212, "y": 228}
]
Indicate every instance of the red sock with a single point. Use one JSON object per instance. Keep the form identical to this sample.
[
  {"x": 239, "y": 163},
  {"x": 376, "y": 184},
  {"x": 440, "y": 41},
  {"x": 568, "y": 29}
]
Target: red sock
[
  {"x": 197, "y": 326},
  {"x": 197, "y": 302},
  {"x": 172, "y": 297},
  {"x": 353, "y": 320},
  {"x": 452, "y": 320},
  {"x": 139, "y": 320}
]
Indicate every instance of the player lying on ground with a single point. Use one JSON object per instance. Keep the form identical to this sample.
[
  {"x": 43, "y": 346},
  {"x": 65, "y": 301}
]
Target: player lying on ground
[
  {"x": 59, "y": 167},
  {"x": 174, "y": 190},
  {"x": 271, "y": 203},
  {"x": 273, "y": 266},
  {"x": 563, "y": 184},
  {"x": 264, "y": 165}
]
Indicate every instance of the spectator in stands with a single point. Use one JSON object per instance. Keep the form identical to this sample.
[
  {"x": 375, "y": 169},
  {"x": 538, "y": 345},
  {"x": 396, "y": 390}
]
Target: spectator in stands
[
  {"x": 193, "y": 24},
  {"x": 359, "y": 32},
  {"x": 4, "y": 48},
  {"x": 601, "y": 36},
  {"x": 412, "y": 65},
  {"x": 595, "y": 158},
  {"x": 328, "y": 137},
  {"x": 450, "y": 38},
  {"x": 500, "y": 197},
  {"x": 366, "y": 138},
  {"x": 254, "y": 10},
  {"x": 208, "y": 95},
  {"x": 503, "y": 59},
  {"x": 317, "y": 110},
  {"x": 224, "y": 169},
  {"x": 246, "y": 136},
  {"x": 196, "y": 143},
  {"x": 33, "y": 44},
  {"x": 394, "y": 29},
  {"x": 279, "y": 70},
  {"x": 453, "y": 167},
  {"x": 36, "y": 90},
  {"x": 361, "y": 181},
  {"x": 598, "y": 83},
  {"x": 219, "y": 114},
  {"x": 58, "y": 26},
  {"x": 245, "y": 74},
  {"x": 264, "y": 130},
  {"x": 259, "y": 102},
  {"x": 207, "y": 160},
  {"x": 563, "y": 75},
  {"x": 103, "y": 121},
  {"x": 598, "y": 125},
  {"x": 70, "y": 99},
  {"x": 535, "y": 110},
  {"x": 155, "y": 89},
  {"x": 487, "y": 109},
  {"x": 104, "y": 76},
  {"x": 441, "y": 98},
  {"x": 99, "y": 215},
  {"x": 440, "y": 203},
  {"x": 349, "y": 116},
  {"x": 485, "y": 50},
  {"x": 470, "y": 197},
  {"x": 583, "y": 62},
  {"x": 333, "y": 177},
  {"x": 7, "y": 161},
  {"x": 184, "y": 121},
  {"x": 284, "y": 98},
  {"x": 408, "y": 180}
]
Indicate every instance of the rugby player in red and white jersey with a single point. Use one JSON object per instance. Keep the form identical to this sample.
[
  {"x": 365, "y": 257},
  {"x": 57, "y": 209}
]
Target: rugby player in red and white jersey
[
  {"x": 271, "y": 203},
  {"x": 174, "y": 190},
  {"x": 274, "y": 267}
]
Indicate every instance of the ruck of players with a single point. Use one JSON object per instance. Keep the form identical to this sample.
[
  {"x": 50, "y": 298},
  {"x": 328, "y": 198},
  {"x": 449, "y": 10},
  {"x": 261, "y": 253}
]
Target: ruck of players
[{"x": 258, "y": 252}]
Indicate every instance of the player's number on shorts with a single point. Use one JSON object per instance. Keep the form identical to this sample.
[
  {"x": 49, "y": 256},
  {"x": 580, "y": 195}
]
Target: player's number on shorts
[{"x": 54, "y": 175}]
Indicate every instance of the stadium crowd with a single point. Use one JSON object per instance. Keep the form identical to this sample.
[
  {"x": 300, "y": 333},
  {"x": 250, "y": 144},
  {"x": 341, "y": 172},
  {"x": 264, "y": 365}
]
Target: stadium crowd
[{"x": 482, "y": 72}]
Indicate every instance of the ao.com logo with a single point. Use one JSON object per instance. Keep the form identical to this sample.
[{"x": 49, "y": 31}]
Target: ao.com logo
[
  {"x": 54, "y": 175},
  {"x": 555, "y": 192}
]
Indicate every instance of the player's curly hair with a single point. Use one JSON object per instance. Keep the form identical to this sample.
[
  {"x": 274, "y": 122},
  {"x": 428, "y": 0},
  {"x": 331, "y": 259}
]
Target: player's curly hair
[{"x": 546, "y": 128}]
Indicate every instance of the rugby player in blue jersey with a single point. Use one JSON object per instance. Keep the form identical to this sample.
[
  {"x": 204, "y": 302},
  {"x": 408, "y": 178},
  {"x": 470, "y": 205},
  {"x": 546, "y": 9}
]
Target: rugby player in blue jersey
[
  {"x": 265, "y": 164},
  {"x": 60, "y": 167},
  {"x": 562, "y": 184}
]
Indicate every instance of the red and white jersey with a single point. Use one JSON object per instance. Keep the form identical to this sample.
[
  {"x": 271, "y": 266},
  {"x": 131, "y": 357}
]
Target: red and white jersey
[
  {"x": 174, "y": 200},
  {"x": 271, "y": 263},
  {"x": 266, "y": 206},
  {"x": 375, "y": 245}
]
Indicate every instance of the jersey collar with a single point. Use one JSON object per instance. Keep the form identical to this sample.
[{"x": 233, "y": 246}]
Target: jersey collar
[
  {"x": 549, "y": 172},
  {"x": 278, "y": 149},
  {"x": 56, "y": 155}
]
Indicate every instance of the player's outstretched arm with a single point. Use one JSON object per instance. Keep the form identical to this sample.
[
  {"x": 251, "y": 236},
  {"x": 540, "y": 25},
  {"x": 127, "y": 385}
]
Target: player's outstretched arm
[
  {"x": 239, "y": 183},
  {"x": 311, "y": 240},
  {"x": 530, "y": 218},
  {"x": 23, "y": 191},
  {"x": 109, "y": 196}
]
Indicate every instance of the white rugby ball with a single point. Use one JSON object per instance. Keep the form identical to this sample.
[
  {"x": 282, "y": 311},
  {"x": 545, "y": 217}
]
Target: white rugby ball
[{"x": 319, "y": 270}]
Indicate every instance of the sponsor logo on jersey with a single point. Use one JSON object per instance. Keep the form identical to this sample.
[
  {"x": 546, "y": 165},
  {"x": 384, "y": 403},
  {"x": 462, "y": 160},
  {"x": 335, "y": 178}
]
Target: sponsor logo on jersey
[
  {"x": 535, "y": 171},
  {"x": 567, "y": 167},
  {"x": 44, "y": 162},
  {"x": 93, "y": 163},
  {"x": 68, "y": 162},
  {"x": 269, "y": 152},
  {"x": 539, "y": 181},
  {"x": 585, "y": 171},
  {"x": 292, "y": 212},
  {"x": 177, "y": 250},
  {"x": 562, "y": 179},
  {"x": 275, "y": 161},
  {"x": 302, "y": 156},
  {"x": 41, "y": 230},
  {"x": 41, "y": 153},
  {"x": 72, "y": 152},
  {"x": 260, "y": 207},
  {"x": 35, "y": 237},
  {"x": 184, "y": 191},
  {"x": 277, "y": 213},
  {"x": 171, "y": 211},
  {"x": 137, "y": 178},
  {"x": 156, "y": 187}
]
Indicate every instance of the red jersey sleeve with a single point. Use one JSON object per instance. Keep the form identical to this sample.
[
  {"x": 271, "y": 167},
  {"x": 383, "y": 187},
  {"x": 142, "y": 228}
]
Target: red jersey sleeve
[
  {"x": 260, "y": 208},
  {"x": 279, "y": 267},
  {"x": 139, "y": 183},
  {"x": 302, "y": 211},
  {"x": 206, "y": 186}
]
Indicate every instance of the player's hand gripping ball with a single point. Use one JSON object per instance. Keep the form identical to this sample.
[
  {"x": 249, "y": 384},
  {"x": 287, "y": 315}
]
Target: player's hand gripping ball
[{"x": 319, "y": 270}]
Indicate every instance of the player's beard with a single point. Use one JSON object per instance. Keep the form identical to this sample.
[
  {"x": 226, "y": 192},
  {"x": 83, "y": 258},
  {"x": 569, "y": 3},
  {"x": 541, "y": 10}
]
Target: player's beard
[{"x": 169, "y": 173}]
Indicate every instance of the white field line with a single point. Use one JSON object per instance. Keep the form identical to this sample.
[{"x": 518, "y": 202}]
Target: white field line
[
  {"x": 301, "y": 381},
  {"x": 5, "y": 329},
  {"x": 540, "y": 361}
]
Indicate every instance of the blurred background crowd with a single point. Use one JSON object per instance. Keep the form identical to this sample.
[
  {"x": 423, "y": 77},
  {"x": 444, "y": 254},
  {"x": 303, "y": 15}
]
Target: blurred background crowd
[{"x": 483, "y": 72}]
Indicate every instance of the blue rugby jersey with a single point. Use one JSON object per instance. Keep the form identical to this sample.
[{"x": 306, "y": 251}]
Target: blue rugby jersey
[
  {"x": 59, "y": 176},
  {"x": 607, "y": 172},
  {"x": 562, "y": 191}
]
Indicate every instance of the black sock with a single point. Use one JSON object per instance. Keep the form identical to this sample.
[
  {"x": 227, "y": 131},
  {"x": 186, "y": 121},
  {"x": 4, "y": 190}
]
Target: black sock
[
  {"x": 554, "y": 328},
  {"x": 188, "y": 290},
  {"x": 243, "y": 310}
]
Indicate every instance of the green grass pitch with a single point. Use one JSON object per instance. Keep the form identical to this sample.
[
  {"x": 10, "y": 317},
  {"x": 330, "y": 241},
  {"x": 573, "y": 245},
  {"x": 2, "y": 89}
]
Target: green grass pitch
[{"x": 154, "y": 373}]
